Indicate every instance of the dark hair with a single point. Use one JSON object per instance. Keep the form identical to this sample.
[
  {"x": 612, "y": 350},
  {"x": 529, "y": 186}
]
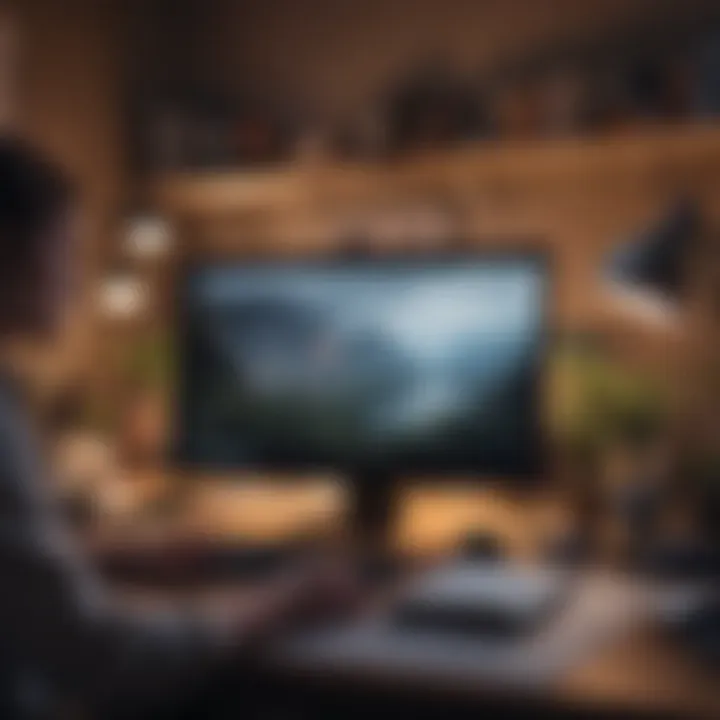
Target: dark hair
[{"x": 33, "y": 192}]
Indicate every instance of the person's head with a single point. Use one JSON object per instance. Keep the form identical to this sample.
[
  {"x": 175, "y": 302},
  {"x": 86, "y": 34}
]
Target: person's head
[{"x": 36, "y": 238}]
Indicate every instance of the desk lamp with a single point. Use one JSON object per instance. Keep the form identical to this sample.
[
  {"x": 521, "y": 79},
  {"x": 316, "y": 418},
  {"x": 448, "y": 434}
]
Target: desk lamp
[
  {"x": 649, "y": 270},
  {"x": 654, "y": 265}
]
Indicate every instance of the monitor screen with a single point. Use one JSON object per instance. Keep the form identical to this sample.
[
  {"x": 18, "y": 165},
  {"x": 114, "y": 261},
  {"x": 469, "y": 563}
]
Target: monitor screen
[{"x": 415, "y": 366}]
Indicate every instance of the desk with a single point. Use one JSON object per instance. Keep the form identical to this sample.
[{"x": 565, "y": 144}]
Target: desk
[
  {"x": 642, "y": 677},
  {"x": 605, "y": 653},
  {"x": 636, "y": 673},
  {"x": 639, "y": 674}
]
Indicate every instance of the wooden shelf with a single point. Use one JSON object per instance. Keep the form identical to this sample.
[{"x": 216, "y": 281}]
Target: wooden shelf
[{"x": 689, "y": 150}]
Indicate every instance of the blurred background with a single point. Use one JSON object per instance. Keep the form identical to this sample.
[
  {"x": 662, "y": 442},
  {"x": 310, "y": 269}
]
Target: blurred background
[
  {"x": 203, "y": 128},
  {"x": 218, "y": 128},
  {"x": 587, "y": 131}
]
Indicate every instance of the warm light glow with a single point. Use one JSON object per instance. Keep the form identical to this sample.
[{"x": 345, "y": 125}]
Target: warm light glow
[
  {"x": 148, "y": 237},
  {"x": 123, "y": 296},
  {"x": 644, "y": 306}
]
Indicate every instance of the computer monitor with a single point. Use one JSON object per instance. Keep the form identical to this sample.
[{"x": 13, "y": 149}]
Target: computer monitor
[{"x": 377, "y": 368}]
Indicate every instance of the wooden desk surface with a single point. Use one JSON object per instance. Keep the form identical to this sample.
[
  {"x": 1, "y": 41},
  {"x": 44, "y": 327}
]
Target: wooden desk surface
[
  {"x": 648, "y": 673},
  {"x": 642, "y": 677},
  {"x": 620, "y": 664},
  {"x": 643, "y": 672},
  {"x": 430, "y": 519}
]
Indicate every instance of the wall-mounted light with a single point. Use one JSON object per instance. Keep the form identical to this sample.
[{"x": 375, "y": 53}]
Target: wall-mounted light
[
  {"x": 123, "y": 296},
  {"x": 647, "y": 274},
  {"x": 147, "y": 237}
]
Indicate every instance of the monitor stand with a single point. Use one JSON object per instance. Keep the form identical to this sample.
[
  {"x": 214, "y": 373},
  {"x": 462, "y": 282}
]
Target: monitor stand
[
  {"x": 373, "y": 516},
  {"x": 373, "y": 509}
]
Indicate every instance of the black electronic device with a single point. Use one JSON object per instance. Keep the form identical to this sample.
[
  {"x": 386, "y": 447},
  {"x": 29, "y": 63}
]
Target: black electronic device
[
  {"x": 489, "y": 600},
  {"x": 371, "y": 368}
]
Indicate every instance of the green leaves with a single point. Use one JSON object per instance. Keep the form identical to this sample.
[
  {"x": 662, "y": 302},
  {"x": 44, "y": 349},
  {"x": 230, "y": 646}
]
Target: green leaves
[
  {"x": 595, "y": 401},
  {"x": 150, "y": 362}
]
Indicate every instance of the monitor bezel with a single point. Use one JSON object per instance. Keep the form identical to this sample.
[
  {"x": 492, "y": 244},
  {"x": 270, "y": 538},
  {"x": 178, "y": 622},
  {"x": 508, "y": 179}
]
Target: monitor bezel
[{"x": 194, "y": 264}]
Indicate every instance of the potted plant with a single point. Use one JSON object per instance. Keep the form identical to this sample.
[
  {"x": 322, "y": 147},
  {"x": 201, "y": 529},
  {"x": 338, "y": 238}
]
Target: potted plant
[
  {"x": 638, "y": 461},
  {"x": 607, "y": 423},
  {"x": 577, "y": 430}
]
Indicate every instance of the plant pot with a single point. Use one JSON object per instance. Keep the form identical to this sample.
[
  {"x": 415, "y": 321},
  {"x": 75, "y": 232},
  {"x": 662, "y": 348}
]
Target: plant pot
[{"x": 635, "y": 486}]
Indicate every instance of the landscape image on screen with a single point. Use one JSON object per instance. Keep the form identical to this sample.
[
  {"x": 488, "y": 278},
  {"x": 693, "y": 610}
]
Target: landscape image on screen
[{"x": 417, "y": 366}]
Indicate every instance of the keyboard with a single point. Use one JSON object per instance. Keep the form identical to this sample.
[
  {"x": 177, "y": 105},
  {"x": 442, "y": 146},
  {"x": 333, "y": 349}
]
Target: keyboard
[{"x": 481, "y": 599}]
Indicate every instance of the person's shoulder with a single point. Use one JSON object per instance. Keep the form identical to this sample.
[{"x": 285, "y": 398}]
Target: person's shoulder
[
  {"x": 19, "y": 450},
  {"x": 15, "y": 422},
  {"x": 12, "y": 391}
]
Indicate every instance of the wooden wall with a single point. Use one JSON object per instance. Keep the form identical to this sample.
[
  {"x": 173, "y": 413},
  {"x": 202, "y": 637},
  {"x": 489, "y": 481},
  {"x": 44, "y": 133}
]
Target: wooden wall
[
  {"x": 332, "y": 58},
  {"x": 69, "y": 102},
  {"x": 577, "y": 200}
]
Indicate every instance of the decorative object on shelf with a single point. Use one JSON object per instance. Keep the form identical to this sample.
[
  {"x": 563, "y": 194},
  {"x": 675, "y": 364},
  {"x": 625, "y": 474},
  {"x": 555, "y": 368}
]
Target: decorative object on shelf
[
  {"x": 260, "y": 135},
  {"x": 563, "y": 103},
  {"x": 314, "y": 145},
  {"x": 212, "y": 132},
  {"x": 517, "y": 109},
  {"x": 654, "y": 88},
  {"x": 645, "y": 84},
  {"x": 166, "y": 140},
  {"x": 367, "y": 137},
  {"x": 253, "y": 139},
  {"x": 606, "y": 102},
  {"x": 679, "y": 87},
  {"x": 705, "y": 65},
  {"x": 9, "y": 56},
  {"x": 433, "y": 109},
  {"x": 211, "y": 136}
]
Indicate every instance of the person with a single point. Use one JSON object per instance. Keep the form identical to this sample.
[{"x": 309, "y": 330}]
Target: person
[{"x": 59, "y": 627}]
